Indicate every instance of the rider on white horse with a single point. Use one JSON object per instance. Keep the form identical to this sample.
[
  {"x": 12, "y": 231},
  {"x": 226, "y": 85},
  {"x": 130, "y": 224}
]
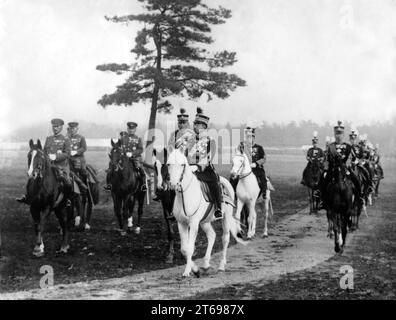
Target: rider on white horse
[
  {"x": 201, "y": 154},
  {"x": 257, "y": 158},
  {"x": 178, "y": 139}
]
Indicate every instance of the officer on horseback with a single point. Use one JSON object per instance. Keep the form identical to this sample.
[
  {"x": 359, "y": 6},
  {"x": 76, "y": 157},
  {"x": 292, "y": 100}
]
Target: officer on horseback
[
  {"x": 77, "y": 159},
  {"x": 376, "y": 161},
  {"x": 257, "y": 158},
  {"x": 338, "y": 153},
  {"x": 201, "y": 154},
  {"x": 57, "y": 148},
  {"x": 357, "y": 153},
  {"x": 132, "y": 145},
  {"x": 314, "y": 154},
  {"x": 179, "y": 139}
]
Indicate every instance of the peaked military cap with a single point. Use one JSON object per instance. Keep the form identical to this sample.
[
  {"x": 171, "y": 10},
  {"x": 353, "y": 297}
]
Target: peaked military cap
[
  {"x": 339, "y": 128},
  {"x": 200, "y": 117},
  {"x": 251, "y": 130},
  {"x": 183, "y": 116},
  {"x": 57, "y": 122},
  {"x": 353, "y": 134},
  {"x": 73, "y": 124},
  {"x": 315, "y": 136},
  {"x": 131, "y": 125}
]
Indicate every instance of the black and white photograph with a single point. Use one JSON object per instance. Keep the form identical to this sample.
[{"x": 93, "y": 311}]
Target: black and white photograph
[{"x": 197, "y": 150}]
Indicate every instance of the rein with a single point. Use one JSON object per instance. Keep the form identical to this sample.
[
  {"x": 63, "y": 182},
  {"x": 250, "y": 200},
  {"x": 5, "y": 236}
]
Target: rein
[
  {"x": 181, "y": 190},
  {"x": 241, "y": 168}
]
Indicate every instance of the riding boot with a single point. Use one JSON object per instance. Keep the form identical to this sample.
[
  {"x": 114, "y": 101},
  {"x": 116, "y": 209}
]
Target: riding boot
[
  {"x": 25, "y": 198},
  {"x": 217, "y": 195},
  {"x": 107, "y": 187},
  {"x": 82, "y": 186},
  {"x": 234, "y": 182},
  {"x": 142, "y": 179}
]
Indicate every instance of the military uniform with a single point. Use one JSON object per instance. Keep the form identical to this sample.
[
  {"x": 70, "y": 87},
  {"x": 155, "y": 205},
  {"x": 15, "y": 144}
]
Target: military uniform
[
  {"x": 256, "y": 155},
  {"x": 313, "y": 154},
  {"x": 132, "y": 146},
  {"x": 339, "y": 154},
  {"x": 200, "y": 153}
]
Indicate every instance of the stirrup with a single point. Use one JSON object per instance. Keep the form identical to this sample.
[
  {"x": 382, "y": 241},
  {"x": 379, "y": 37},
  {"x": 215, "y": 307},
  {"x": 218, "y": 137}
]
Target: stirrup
[
  {"x": 22, "y": 199},
  {"x": 217, "y": 217},
  {"x": 107, "y": 187},
  {"x": 144, "y": 188}
]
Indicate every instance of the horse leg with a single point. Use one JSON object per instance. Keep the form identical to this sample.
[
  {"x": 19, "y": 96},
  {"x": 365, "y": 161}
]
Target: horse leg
[
  {"x": 125, "y": 215},
  {"x": 330, "y": 225},
  {"x": 171, "y": 236},
  {"x": 117, "y": 210},
  {"x": 79, "y": 209},
  {"x": 252, "y": 220},
  {"x": 62, "y": 215},
  {"x": 140, "y": 211},
  {"x": 225, "y": 239},
  {"x": 88, "y": 213},
  {"x": 211, "y": 236},
  {"x": 131, "y": 207},
  {"x": 266, "y": 209},
  {"x": 187, "y": 238},
  {"x": 38, "y": 250},
  {"x": 310, "y": 199}
]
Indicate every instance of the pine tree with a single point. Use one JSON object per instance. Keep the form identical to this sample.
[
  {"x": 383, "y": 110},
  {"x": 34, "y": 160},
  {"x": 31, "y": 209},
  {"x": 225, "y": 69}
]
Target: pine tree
[{"x": 171, "y": 58}]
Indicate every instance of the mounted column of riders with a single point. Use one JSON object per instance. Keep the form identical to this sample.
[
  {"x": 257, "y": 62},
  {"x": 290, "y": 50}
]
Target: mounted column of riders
[
  {"x": 66, "y": 155},
  {"x": 357, "y": 158}
]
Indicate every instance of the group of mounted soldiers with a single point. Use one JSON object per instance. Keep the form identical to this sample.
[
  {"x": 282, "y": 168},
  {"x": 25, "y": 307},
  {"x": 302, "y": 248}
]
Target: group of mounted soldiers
[
  {"x": 66, "y": 154},
  {"x": 359, "y": 158}
]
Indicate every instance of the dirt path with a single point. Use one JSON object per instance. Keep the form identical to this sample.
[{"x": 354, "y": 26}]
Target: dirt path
[
  {"x": 298, "y": 242},
  {"x": 371, "y": 253}
]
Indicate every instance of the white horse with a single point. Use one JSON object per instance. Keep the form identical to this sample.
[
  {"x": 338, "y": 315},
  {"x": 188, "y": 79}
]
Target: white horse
[
  {"x": 191, "y": 211},
  {"x": 248, "y": 191}
]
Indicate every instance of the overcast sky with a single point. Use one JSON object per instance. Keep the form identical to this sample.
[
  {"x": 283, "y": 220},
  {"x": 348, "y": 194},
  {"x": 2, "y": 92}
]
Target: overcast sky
[{"x": 305, "y": 59}]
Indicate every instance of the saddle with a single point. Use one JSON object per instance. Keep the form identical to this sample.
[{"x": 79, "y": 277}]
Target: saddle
[{"x": 208, "y": 196}]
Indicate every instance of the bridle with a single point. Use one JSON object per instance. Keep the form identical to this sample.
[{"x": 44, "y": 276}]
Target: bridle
[
  {"x": 118, "y": 164},
  {"x": 238, "y": 172},
  {"x": 181, "y": 190},
  {"x": 38, "y": 170}
]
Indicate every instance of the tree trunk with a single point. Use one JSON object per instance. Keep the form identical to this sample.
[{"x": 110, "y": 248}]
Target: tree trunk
[
  {"x": 151, "y": 127},
  {"x": 154, "y": 102}
]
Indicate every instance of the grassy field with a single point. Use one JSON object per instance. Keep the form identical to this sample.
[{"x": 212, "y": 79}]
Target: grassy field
[{"x": 102, "y": 253}]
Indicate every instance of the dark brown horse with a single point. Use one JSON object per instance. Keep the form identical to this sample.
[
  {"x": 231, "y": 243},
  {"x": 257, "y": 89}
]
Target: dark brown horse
[
  {"x": 340, "y": 200},
  {"x": 46, "y": 195},
  {"x": 311, "y": 177},
  {"x": 83, "y": 202},
  {"x": 126, "y": 189},
  {"x": 167, "y": 197}
]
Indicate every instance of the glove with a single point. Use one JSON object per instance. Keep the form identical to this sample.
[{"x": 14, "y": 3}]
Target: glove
[
  {"x": 253, "y": 165},
  {"x": 129, "y": 154},
  {"x": 52, "y": 157},
  {"x": 73, "y": 153}
]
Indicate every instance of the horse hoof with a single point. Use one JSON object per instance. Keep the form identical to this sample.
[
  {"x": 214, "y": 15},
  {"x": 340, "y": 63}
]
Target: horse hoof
[
  {"x": 169, "y": 260},
  {"x": 63, "y": 250},
  {"x": 38, "y": 254},
  {"x": 77, "y": 222},
  {"x": 264, "y": 235},
  {"x": 137, "y": 230},
  {"x": 197, "y": 273},
  {"x": 87, "y": 227},
  {"x": 186, "y": 275}
]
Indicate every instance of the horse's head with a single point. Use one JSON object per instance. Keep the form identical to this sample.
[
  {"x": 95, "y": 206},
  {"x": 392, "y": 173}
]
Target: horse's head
[
  {"x": 239, "y": 161},
  {"x": 176, "y": 166},
  {"x": 116, "y": 155},
  {"x": 36, "y": 160}
]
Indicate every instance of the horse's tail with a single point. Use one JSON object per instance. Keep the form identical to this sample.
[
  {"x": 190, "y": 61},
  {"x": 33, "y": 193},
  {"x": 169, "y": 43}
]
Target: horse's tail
[
  {"x": 233, "y": 224},
  {"x": 94, "y": 187}
]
